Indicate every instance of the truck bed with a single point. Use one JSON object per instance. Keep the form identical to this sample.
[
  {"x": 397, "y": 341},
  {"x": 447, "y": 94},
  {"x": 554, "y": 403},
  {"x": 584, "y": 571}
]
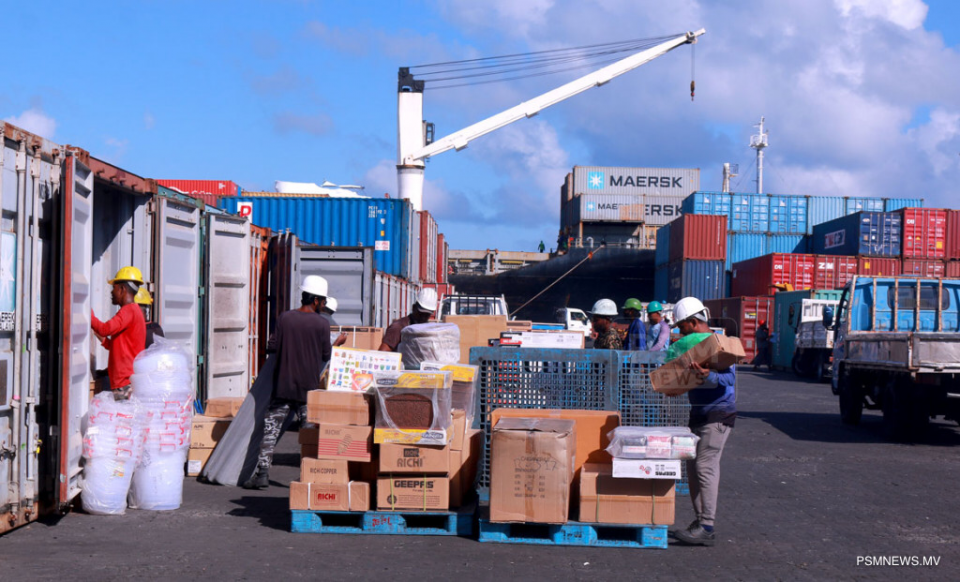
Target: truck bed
[{"x": 922, "y": 352}]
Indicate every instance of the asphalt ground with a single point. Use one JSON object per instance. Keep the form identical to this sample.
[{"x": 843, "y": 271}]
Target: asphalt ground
[{"x": 802, "y": 498}]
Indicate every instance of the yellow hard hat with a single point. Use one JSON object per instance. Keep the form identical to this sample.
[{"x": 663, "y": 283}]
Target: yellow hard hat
[
  {"x": 131, "y": 274},
  {"x": 143, "y": 297}
]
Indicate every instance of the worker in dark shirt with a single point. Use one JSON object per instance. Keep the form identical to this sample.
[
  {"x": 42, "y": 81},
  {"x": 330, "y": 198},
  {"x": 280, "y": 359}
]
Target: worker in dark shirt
[
  {"x": 422, "y": 310},
  {"x": 145, "y": 301},
  {"x": 302, "y": 340},
  {"x": 601, "y": 316}
]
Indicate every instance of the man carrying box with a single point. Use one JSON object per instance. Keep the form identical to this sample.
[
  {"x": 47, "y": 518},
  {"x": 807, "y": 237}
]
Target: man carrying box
[{"x": 712, "y": 414}]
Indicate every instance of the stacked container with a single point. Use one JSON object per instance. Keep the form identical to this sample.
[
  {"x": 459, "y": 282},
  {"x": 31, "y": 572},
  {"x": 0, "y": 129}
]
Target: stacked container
[
  {"x": 740, "y": 317},
  {"x": 924, "y": 233},
  {"x": 210, "y": 191},
  {"x": 695, "y": 278},
  {"x": 878, "y": 266},
  {"x": 443, "y": 256},
  {"x": 923, "y": 268},
  {"x": 428, "y": 248},
  {"x": 833, "y": 272},
  {"x": 762, "y": 275},
  {"x": 697, "y": 251},
  {"x": 788, "y": 214},
  {"x": 874, "y": 234}
]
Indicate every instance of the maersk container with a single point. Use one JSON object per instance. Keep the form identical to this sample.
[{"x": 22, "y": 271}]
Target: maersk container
[
  {"x": 788, "y": 214},
  {"x": 750, "y": 213},
  {"x": 382, "y": 223},
  {"x": 823, "y": 209},
  {"x": 698, "y": 237},
  {"x": 855, "y": 204},
  {"x": 635, "y": 181},
  {"x": 661, "y": 255},
  {"x": 692, "y": 278},
  {"x": 833, "y": 271},
  {"x": 878, "y": 266},
  {"x": 648, "y": 209},
  {"x": 742, "y": 246},
  {"x": 924, "y": 233},
  {"x": 862, "y": 233},
  {"x": 661, "y": 283},
  {"x": 923, "y": 268},
  {"x": 740, "y": 317},
  {"x": 892, "y": 204},
  {"x": 764, "y": 275},
  {"x": 715, "y": 203}
]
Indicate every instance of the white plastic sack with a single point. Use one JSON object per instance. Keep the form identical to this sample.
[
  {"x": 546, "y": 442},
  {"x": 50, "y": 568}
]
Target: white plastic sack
[
  {"x": 431, "y": 342},
  {"x": 158, "y": 482},
  {"x": 105, "y": 485},
  {"x": 112, "y": 446}
]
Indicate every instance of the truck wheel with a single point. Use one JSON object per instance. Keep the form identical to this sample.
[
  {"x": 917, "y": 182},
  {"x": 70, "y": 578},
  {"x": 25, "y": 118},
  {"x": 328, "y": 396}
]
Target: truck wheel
[
  {"x": 851, "y": 400},
  {"x": 905, "y": 415},
  {"x": 796, "y": 364}
]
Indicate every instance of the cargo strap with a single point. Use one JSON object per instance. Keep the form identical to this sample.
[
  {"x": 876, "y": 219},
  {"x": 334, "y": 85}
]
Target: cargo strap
[{"x": 393, "y": 504}]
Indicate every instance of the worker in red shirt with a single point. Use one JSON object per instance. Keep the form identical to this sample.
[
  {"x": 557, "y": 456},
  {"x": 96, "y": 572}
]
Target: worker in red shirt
[{"x": 125, "y": 334}]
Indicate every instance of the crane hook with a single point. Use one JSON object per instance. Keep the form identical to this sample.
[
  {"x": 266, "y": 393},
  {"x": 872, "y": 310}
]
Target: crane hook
[{"x": 693, "y": 86}]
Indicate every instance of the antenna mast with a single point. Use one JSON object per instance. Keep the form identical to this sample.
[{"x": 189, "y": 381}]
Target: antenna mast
[{"x": 759, "y": 142}]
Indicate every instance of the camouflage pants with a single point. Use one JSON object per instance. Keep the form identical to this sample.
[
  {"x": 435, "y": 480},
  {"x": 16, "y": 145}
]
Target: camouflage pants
[{"x": 275, "y": 422}]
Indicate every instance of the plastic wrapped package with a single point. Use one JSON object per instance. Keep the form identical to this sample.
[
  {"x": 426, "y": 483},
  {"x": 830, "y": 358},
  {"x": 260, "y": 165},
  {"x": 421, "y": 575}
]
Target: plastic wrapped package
[
  {"x": 413, "y": 407},
  {"x": 661, "y": 442},
  {"x": 158, "y": 481},
  {"x": 112, "y": 446},
  {"x": 434, "y": 342},
  {"x": 464, "y": 390}
]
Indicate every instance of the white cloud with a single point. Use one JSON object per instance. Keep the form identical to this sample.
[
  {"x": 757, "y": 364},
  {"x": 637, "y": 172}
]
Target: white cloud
[
  {"x": 908, "y": 14},
  {"x": 35, "y": 121}
]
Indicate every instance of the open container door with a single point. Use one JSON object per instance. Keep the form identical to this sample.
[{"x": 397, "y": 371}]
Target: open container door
[
  {"x": 76, "y": 270},
  {"x": 178, "y": 272},
  {"x": 284, "y": 293},
  {"x": 228, "y": 306},
  {"x": 349, "y": 274}
]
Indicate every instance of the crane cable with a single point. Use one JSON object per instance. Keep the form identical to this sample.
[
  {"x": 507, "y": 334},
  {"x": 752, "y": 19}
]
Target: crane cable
[{"x": 547, "y": 288}]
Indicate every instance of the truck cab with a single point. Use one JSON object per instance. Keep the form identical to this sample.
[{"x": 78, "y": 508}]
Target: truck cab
[
  {"x": 473, "y": 305},
  {"x": 897, "y": 348},
  {"x": 813, "y": 345},
  {"x": 574, "y": 319}
]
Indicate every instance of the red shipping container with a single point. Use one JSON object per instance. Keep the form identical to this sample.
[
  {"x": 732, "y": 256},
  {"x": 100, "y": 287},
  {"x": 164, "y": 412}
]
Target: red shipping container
[
  {"x": 698, "y": 237},
  {"x": 428, "y": 248},
  {"x": 953, "y": 269},
  {"x": 740, "y": 317},
  {"x": 953, "y": 234},
  {"x": 923, "y": 268},
  {"x": 924, "y": 233},
  {"x": 834, "y": 272},
  {"x": 210, "y": 191},
  {"x": 878, "y": 267},
  {"x": 443, "y": 254},
  {"x": 759, "y": 276}
]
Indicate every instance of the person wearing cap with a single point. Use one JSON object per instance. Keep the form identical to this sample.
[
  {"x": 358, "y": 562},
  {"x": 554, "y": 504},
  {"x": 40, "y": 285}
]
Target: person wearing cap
[
  {"x": 145, "y": 301},
  {"x": 602, "y": 315},
  {"x": 302, "y": 344},
  {"x": 636, "y": 333},
  {"x": 123, "y": 335},
  {"x": 329, "y": 308},
  {"x": 422, "y": 310},
  {"x": 763, "y": 347},
  {"x": 658, "y": 332},
  {"x": 713, "y": 411}
]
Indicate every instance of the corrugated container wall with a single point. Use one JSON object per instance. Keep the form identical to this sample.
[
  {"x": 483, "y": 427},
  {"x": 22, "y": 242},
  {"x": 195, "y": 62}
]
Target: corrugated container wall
[
  {"x": 413, "y": 249},
  {"x": 633, "y": 181},
  {"x": 924, "y": 233},
  {"x": 759, "y": 276},
  {"x": 443, "y": 255},
  {"x": 863, "y": 233},
  {"x": 833, "y": 272},
  {"x": 891, "y": 204},
  {"x": 750, "y": 213},
  {"x": 393, "y": 298},
  {"x": 854, "y": 205},
  {"x": 878, "y": 266},
  {"x": 428, "y": 248},
  {"x": 788, "y": 214},
  {"x": 653, "y": 210},
  {"x": 742, "y": 246},
  {"x": 692, "y": 278},
  {"x": 700, "y": 237},
  {"x": 953, "y": 234},
  {"x": 787, "y": 312},
  {"x": 661, "y": 283},
  {"x": 787, "y": 243},
  {"x": 953, "y": 269},
  {"x": 661, "y": 255},
  {"x": 381, "y": 223},
  {"x": 715, "y": 203},
  {"x": 823, "y": 209},
  {"x": 210, "y": 191},
  {"x": 923, "y": 268},
  {"x": 740, "y": 317}
]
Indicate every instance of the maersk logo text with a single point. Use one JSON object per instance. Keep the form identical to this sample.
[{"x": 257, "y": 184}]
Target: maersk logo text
[
  {"x": 645, "y": 181},
  {"x": 595, "y": 180}
]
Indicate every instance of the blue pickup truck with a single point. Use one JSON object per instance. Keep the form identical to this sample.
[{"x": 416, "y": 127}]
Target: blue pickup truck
[{"x": 897, "y": 349}]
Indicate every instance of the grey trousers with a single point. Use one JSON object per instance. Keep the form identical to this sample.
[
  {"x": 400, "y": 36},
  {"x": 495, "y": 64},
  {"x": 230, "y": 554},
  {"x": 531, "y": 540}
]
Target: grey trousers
[
  {"x": 704, "y": 471},
  {"x": 273, "y": 426}
]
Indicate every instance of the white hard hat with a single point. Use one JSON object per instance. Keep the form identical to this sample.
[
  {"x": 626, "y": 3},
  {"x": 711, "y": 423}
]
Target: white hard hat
[
  {"x": 427, "y": 299},
  {"x": 604, "y": 307},
  {"x": 314, "y": 285},
  {"x": 332, "y": 304},
  {"x": 689, "y": 307}
]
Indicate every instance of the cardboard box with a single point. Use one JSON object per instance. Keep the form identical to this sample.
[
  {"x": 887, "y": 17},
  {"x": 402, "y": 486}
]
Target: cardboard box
[
  {"x": 458, "y": 430},
  {"x": 196, "y": 460},
  {"x": 411, "y": 492},
  {"x": 646, "y": 469},
  {"x": 543, "y": 339},
  {"x": 606, "y": 499},
  {"x": 531, "y": 469},
  {"x": 326, "y": 407},
  {"x": 344, "y": 442},
  {"x": 463, "y": 468},
  {"x": 368, "y": 472},
  {"x": 324, "y": 471},
  {"x": 476, "y": 331},
  {"x": 361, "y": 338},
  {"x": 352, "y": 496},
  {"x": 430, "y": 460},
  {"x": 716, "y": 352},
  {"x": 223, "y": 407},
  {"x": 206, "y": 432}
]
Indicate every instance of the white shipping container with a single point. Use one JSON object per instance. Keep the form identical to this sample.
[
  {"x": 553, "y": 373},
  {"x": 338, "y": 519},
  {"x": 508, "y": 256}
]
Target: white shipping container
[
  {"x": 635, "y": 181},
  {"x": 651, "y": 210}
]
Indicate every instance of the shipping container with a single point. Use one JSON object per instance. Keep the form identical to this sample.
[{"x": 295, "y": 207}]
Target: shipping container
[
  {"x": 893, "y": 204},
  {"x": 209, "y": 191},
  {"x": 653, "y": 210},
  {"x": 788, "y": 214},
  {"x": 822, "y": 209},
  {"x": 742, "y": 246},
  {"x": 714, "y": 203},
  {"x": 764, "y": 275},
  {"x": 428, "y": 247},
  {"x": 923, "y": 268},
  {"x": 833, "y": 271},
  {"x": 693, "y": 278},
  {"x": 661, "y": 254},
  {"x": 661, "y": 283},
  {"x": 952, "y": 269},
  {"x": 786, "y": 320},
  {"x": 633, "y": 181},
  {"x": 787, "y": 243},
  {"x": 862, "y": 233},
  {"x": 382, "y": 223},
  {"x": 924, "y": 233},
  {"x": 259, "y": 293},
  {"x": 698, "y": 237},
  {"x": 443, "y": 256},
  {"x": 740, "y": 317},
  {"x": 750, "y": 213},
  {"x": 853, "y": 204},
  {"x": 413, "y": 248},
  {"x": 878, "y": 266},
  {"x": 953, "y": 235},
  {"x": 393, "y": 298}
]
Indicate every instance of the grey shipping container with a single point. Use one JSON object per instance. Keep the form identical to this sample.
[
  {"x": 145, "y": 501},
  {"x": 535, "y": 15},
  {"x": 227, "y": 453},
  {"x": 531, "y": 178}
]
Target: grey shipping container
[
  {"x": 652, "y": 210},
  {"x": 691, "y": 278},
  {"x": 633, "y": 181}
]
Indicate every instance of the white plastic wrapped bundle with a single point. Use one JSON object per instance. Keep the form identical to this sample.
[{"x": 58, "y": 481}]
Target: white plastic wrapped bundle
[
  {"x": 112, "y": 446},
  {"x": 431, "y": 342},
  {"x": 158, "y": 481},
  {"x": 659, "y": 442}
]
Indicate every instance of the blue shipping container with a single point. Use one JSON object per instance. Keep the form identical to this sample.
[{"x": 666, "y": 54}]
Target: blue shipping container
[
  {"x": 742, "y": 246},
  {"x": 381, "y": 223},
  {"x": 854, "y": 204},
  {"x": 661, "y": 255},
  {"x": 791, "y": 243},
  {"x": 712, "y": 203},
  {"x": 891, "y": 204},
  {"x": 875, "y": 234},
  {"x": 788, "y": 214},
  {"x": 701, "y": 279},
  {"x": 660, "y": 286},
  {"x": 750, "y": 213},
  {"x": 823, "y": 209}
]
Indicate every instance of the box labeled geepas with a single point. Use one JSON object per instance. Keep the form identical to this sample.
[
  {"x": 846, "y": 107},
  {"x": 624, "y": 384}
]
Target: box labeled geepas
[
  {"x": 413, "y": 493},
  {"x": 531, "y": 469},
  {"x": 606, "y": 499},
  {"x": 715, "y": 352}
]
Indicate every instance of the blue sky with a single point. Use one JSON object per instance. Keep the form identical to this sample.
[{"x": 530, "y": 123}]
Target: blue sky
[{"x": 861, "y": 96}]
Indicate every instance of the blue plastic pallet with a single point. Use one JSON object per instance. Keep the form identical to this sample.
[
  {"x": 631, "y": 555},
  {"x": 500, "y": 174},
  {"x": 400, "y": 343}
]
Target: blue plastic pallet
[
  {"x": 418, "y": 523},
  {"x": 575, "y": 534}
]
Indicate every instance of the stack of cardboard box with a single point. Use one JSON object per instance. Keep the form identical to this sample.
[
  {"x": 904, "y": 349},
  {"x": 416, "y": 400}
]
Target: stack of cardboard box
[{"x": 207, "y": 430}]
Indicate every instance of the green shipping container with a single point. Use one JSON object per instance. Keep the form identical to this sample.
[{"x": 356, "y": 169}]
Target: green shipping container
[{"x": 785, "y": 324}]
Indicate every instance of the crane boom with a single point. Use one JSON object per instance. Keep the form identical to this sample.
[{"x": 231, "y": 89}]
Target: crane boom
[{"x": 411, "y": 148}]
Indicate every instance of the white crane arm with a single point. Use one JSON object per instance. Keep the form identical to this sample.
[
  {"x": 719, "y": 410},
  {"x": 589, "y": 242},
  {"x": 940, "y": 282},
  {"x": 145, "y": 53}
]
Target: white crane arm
[{"x": 459, "y": 140}]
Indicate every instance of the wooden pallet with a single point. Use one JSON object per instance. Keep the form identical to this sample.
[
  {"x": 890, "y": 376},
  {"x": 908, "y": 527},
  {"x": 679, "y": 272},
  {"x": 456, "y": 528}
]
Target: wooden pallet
[
  {"x": 457, "y": 523},
  {"x": 575, "y": 534}
]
